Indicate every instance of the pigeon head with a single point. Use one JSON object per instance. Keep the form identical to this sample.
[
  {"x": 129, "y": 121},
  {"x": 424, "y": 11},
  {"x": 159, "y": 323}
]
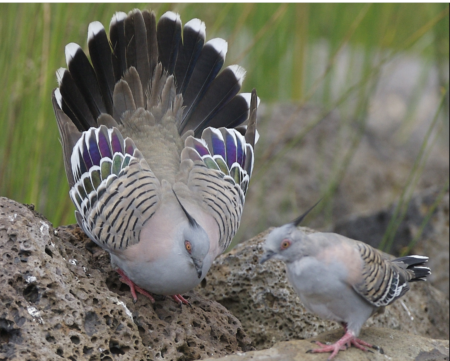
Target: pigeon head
[
  {"x": 195, "y": 241},
  {"x": 196, "y": 245},
  {"x": 286, "y": 243}
]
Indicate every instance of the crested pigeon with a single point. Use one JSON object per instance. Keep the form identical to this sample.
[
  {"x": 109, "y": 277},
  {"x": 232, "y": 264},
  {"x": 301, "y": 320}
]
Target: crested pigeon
[
  {"x": 155, "y": 152},
  {"x": 341, "y": 279}
]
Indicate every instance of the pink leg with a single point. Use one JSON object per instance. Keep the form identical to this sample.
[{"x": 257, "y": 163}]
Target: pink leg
[
  {"x": 341, "y": 345},
  {"x": 133, "y": 287},
  {"x": 180, "y": 299}
]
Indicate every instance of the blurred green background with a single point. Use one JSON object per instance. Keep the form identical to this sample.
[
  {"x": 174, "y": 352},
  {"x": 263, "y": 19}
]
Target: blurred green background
[{"x": 274, "y": 42}]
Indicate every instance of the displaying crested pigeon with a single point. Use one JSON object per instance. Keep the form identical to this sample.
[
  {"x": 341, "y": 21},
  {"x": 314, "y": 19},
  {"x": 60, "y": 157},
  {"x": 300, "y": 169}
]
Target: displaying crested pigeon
[
  {"x": 158, "y": 174},
  {"x": 341, "y": 279}
]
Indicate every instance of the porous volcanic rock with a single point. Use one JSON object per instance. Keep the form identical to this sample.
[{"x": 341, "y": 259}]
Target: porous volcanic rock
[
  {"x": 59, "y": 301},
  {"x": 396, "y": 346},
  {"x": 261, "y": 297}
]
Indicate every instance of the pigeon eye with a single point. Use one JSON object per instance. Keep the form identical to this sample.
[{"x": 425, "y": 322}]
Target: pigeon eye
[
  {"x": 285, "y": 244},
  {"x": 188, "y": 246}
]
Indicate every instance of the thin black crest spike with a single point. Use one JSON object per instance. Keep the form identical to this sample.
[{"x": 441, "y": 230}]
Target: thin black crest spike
[
  {"x": 191, "y": 220},
  {"x": 297, "y": 221}
]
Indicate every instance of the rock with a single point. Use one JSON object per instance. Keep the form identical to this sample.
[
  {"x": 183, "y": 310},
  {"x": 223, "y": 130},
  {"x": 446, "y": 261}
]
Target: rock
[
  {"x": 433, "y": 240},
  {"x": 59, "y": 301},
  {"x": 396, "y": 345},
  {"x": 270, "y": 311}
]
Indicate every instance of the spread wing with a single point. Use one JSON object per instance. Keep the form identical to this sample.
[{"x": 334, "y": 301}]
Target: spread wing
[
  {"x": 114, "y": 191},
  {"x": 222, "y": 166}
]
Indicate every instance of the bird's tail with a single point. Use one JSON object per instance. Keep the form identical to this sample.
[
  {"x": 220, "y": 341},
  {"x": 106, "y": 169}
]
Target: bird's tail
[
  {"x": 124, "y": 74},
  {"x": 157, "y": 66},
  {"x": 414, "y": 267}
]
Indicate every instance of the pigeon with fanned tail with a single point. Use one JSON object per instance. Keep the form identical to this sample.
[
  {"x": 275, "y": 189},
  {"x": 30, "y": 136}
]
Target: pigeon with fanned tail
[
  {"x": 341, "y": 279},
  {"x": 155, "y": 151}
]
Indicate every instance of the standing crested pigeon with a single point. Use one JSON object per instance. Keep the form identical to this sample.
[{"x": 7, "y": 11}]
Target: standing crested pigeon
[
  {"x": 341, "y": 279},
  {"x": 157, "y": 173}
]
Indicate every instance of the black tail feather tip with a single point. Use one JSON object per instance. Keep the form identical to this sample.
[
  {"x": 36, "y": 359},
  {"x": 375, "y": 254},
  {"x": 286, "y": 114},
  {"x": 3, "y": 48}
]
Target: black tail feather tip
[
  {"x": 412, "y": 261},
  {"x": 421, "y": 273}
]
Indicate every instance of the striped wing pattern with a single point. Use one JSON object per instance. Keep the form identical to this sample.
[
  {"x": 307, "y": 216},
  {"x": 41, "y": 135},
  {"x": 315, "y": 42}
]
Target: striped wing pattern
[
  {"x": 223, "y": 163},
  {"x": 115, "y": 191},
  {"x": 383, "y": 282}
]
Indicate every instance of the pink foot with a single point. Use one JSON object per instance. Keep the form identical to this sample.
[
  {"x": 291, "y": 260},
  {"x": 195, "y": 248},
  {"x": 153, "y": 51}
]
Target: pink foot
[
  {"x": 180, "y": 299},
  {"x": 347, "y": 340},
  {"x": 133, "y": 287},
  {"x": 361, "y": 344},
  {"x": 334, "y": 349}
]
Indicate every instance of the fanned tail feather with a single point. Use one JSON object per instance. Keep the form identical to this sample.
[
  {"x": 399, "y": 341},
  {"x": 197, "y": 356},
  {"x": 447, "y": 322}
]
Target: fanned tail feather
[
  {"x": 194, "y": 34},
  {"x": 152, "y": 42},
  {"x": 137, "y": 44},
  {"x": 207, "y": 67},
  {"x": 118, "y": 44},
  {"x": 85, "y": 79},
  {"x": 223, "y": 88},
  {"x": 251, "y": 134},
  {"x": 169, "y": 37},
  {"x": 100, "y": 53},
  {"x": 149, "y": 66},
  {"x": 68, "y": 132},
  {"x": 233, "y": 113},
  {"x": 73, "y": 102}
]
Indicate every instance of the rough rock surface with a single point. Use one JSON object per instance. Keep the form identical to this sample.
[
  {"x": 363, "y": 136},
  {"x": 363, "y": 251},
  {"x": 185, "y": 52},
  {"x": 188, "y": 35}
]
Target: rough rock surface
[
  {"x": 60, "y": 299},
  {"x": 433, "y": 238},
  {"x": 270, "y": 311},
  {"x": 60, "y": 302},
  {"x": 396, "y": 345}
]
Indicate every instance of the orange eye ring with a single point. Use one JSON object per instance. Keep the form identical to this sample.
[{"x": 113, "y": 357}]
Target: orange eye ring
[
  {"x": 188, "y": 246},
  {"x": 285, "y": 244}
]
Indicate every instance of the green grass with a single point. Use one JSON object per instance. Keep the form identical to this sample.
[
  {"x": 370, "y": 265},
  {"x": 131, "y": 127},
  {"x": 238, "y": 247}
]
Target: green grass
[{"x": 274, "y": 42}]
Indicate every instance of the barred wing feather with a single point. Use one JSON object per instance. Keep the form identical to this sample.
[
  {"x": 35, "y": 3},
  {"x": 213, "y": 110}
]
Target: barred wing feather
[
  {"x": 223, "y": 164},
  {"x": 383, "y": 281},
  {"x": 115, "y": 191}
]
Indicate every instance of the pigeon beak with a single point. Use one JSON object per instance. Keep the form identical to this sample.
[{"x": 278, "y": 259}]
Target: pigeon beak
[
  {"x": 198, "y": 267},
  {"x": 266, "y": 256}
]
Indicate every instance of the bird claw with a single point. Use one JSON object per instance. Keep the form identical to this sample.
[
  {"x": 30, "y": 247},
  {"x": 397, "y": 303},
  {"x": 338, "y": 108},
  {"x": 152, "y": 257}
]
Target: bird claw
[
  {"x": 343, "y": 344},
  {"x": 144, "y": 293},
  {"x": 362, "y": 345},
  {"x": 180, "y": 300},
  {"x": 378, "y": 348},
  {"x": 328, "y": 344},
  {"x": 133, "y": 287}
]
